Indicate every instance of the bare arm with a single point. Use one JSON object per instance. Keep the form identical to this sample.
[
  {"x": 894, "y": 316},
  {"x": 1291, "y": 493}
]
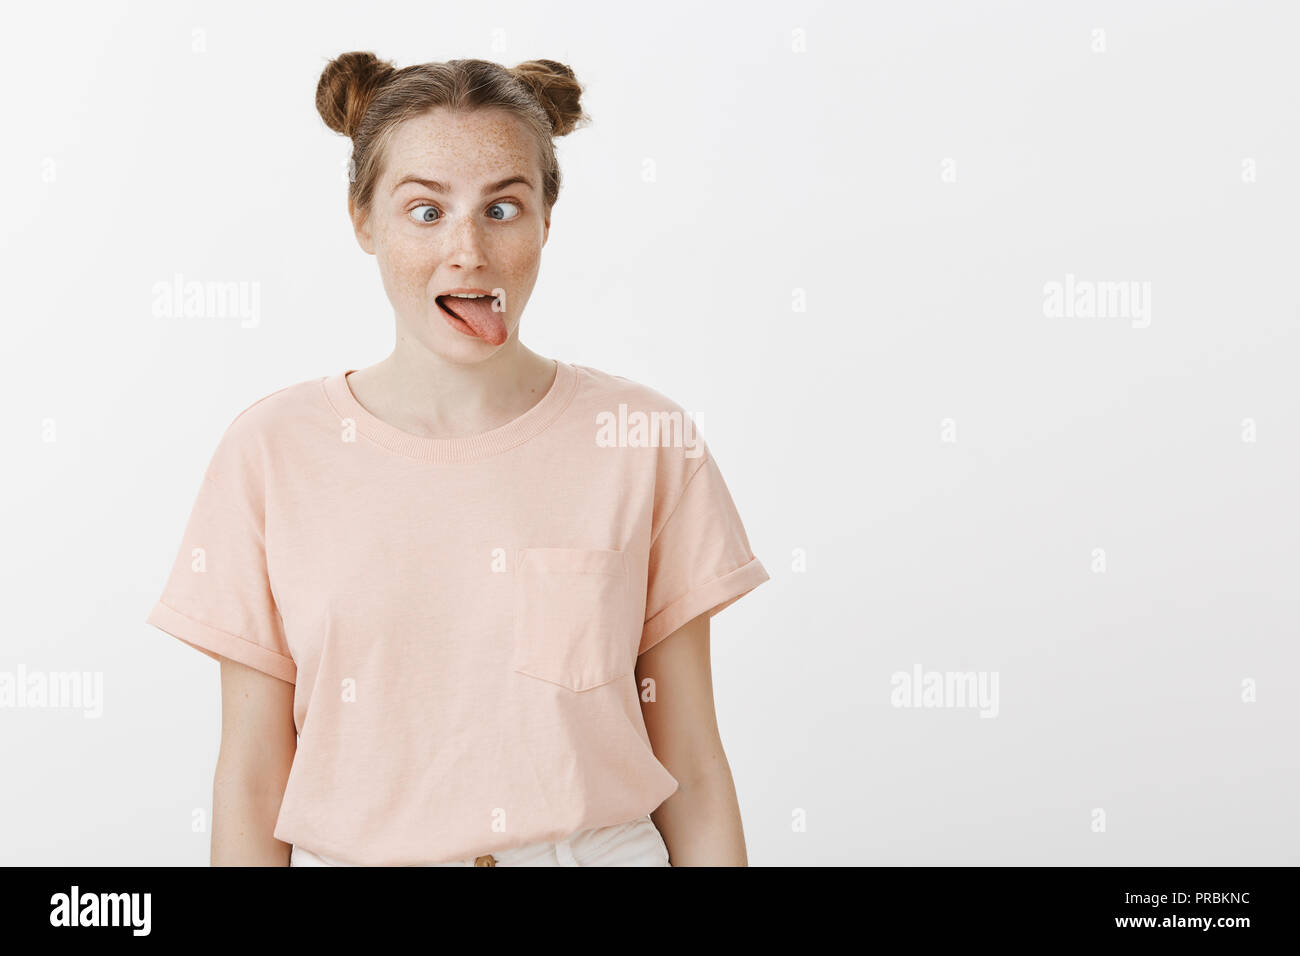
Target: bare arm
[
  {"x": 700, "y": 822},
  {"x": 258, "y": 741}
]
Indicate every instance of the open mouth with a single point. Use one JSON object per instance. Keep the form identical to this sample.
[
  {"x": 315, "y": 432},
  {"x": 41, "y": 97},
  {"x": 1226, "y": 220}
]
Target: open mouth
[
  {"x": 475, "y": 313},
  {"x": 445, "y": 303}
]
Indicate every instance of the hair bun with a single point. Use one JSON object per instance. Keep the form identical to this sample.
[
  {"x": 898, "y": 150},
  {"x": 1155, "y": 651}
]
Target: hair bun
[
  {"x": 347, "y": 85},
  {"x": 557, "y": 90}
]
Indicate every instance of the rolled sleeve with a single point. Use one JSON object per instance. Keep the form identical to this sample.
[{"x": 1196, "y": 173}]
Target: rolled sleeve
[
  {"x": 218, "y": 644},
  {"x": 701, "y": 560},
  {"x": 218, "y": 596}
]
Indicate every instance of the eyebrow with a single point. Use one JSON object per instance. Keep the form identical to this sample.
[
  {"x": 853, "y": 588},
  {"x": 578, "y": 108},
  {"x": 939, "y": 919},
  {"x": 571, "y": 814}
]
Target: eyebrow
[{"x": 435, "y": 186}]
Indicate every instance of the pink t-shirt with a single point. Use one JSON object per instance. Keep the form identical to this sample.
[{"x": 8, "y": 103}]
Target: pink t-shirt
[{"x": 461, "y": 618}]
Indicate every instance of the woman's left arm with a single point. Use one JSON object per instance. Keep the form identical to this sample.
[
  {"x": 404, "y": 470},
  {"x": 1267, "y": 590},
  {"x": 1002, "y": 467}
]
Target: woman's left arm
[{"x": 700, "y": 822}]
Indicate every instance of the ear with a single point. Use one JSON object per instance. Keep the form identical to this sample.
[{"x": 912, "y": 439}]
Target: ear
[
  {"x": 361, "y": 227},
  {"x": 546, "y": 229}
]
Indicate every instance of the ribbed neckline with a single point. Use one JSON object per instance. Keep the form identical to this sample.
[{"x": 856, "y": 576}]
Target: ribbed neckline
[{"x": 462, "y": 448}]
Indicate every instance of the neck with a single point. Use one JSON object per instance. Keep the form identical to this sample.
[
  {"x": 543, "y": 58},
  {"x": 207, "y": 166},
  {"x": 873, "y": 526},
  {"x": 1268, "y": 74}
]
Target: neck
[{"x": 425, "y": 394}]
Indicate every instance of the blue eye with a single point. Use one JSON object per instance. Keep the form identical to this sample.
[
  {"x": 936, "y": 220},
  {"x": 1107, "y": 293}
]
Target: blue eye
[
  {"x": 498, "y": 205},
  {"x": 422, "y": 218}
]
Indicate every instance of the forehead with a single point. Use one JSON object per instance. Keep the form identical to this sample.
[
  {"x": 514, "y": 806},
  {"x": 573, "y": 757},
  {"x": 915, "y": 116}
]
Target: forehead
[{"x": 460, "y": 148}]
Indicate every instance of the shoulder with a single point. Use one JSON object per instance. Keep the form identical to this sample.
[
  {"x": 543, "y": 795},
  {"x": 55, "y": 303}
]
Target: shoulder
[
  {"x": 259, "y": 426},
  {"x": 632, "y": 414},
  {"x": 601, "y": 387},
  {"x": 278, "y": 408}
]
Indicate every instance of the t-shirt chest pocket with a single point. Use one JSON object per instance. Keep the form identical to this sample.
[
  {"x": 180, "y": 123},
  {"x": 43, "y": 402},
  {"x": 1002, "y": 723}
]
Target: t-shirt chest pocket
[{"x": 571, "y": 616}]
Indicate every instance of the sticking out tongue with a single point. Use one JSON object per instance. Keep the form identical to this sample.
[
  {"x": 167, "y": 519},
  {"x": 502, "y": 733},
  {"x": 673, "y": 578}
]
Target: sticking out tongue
[{"x": 479, "y": 315}]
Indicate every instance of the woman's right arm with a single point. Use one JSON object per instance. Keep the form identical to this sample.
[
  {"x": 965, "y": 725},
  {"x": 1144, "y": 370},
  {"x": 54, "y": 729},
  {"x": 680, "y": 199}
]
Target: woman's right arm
[{"x": 258, "y": 741}]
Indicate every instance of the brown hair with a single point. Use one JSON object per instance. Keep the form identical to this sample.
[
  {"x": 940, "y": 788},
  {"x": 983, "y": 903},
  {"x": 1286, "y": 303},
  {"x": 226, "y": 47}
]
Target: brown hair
[{"x": 365, "y": 99}]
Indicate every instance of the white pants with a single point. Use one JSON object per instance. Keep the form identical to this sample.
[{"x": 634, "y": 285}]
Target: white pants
[{"x": 635, "y": 843}]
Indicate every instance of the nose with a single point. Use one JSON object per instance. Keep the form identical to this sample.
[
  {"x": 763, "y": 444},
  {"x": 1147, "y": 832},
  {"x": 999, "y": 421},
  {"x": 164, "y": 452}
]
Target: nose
[{"x": 465, "y": 246}]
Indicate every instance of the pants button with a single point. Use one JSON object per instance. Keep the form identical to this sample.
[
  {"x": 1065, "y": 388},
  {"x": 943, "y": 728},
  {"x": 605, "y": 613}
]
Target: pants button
[{"x": 487, "y": 860}]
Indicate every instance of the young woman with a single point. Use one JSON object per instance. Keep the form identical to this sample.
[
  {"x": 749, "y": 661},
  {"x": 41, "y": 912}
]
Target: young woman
[{"x": 461, "y": 598}]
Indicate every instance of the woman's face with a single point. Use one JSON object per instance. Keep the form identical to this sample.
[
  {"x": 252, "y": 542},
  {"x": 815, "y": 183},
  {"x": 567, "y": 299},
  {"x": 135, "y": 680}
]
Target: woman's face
[{"x": 449, "y": 212}]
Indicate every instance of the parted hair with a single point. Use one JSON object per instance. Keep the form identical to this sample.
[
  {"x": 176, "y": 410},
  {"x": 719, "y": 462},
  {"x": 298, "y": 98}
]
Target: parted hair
[{"x": 366, "y": 98}]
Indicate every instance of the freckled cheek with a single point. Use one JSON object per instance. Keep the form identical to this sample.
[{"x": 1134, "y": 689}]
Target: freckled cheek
[
  {"x": 519, "y": 266},
  {"x": 411, "y": 265}
]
